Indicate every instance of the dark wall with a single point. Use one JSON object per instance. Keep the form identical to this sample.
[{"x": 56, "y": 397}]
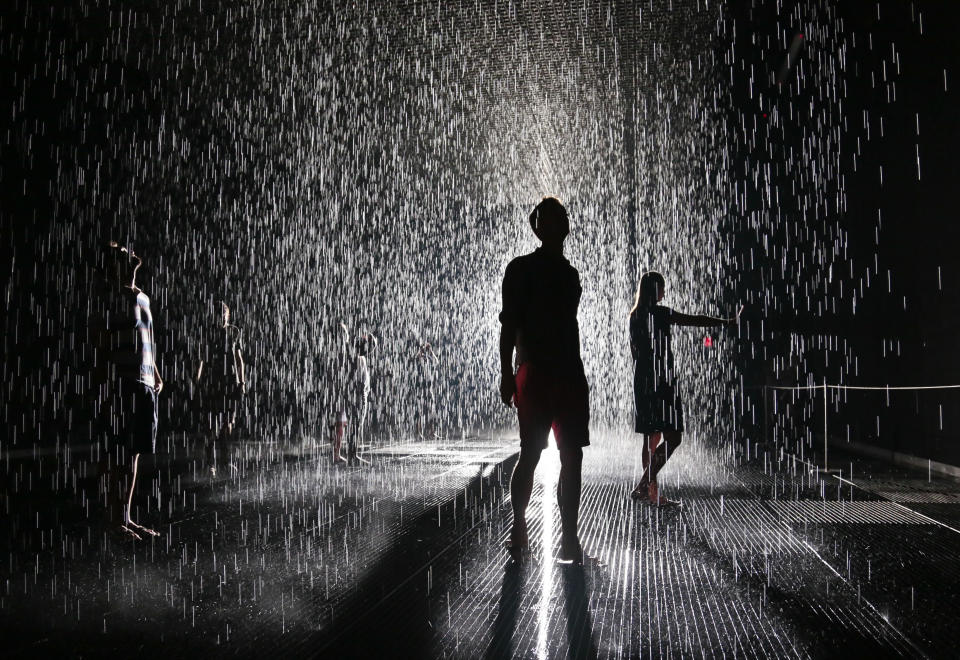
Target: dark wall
[
  {"x": 850, "y": 102},
  {"x": 244, "y": 148}
]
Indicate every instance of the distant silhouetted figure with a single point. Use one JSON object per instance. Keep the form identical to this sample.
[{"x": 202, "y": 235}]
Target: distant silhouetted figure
[
  {"x": 126, "y": 340},
  {"x": 223, "y": 385},
  {"x": 659, "y": 410},
  {"x": 425, "y": 366},
  {"x": 340, "y": 378},
  {"x": 541, "y": 293},
  {"x": 358, "y": 353}
]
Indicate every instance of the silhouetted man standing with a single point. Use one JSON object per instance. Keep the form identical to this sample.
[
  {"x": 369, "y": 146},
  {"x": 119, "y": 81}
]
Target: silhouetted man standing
[{"x": 541, "y": 293}]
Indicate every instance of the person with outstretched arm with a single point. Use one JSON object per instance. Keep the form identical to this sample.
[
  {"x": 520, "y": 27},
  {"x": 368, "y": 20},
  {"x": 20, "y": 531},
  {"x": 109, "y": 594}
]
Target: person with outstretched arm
[{"x": 657, "y": 404}]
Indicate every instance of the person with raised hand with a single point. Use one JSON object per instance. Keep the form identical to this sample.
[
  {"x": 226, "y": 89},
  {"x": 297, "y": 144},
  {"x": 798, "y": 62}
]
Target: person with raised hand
[{"x": 657, "y": 405}]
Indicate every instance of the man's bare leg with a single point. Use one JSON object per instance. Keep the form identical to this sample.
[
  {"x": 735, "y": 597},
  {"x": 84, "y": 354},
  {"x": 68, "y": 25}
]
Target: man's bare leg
[
  {"x": 568, "y": 499},
  {"x": 128, "y": 523},
  {"x": 521, "y": 488}
]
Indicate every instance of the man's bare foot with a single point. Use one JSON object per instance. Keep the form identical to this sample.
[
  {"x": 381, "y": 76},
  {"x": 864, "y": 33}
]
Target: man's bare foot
[
  {"x": 518, "y": 541},
  {"x": 130, "y": 532},
  {"x": 570, "y": 550},
  {"x": 145, "y": 530}
]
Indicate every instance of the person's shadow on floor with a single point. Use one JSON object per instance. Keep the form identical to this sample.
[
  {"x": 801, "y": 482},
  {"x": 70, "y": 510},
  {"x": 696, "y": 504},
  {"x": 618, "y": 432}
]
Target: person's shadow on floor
[
  {"x": 501, "y": 643},
  {"x": 576, "y": 603}
]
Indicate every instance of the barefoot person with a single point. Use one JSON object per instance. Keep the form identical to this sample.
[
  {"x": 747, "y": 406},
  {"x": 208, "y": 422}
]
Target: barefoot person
[
  {"x": 223, "y": 385},
  {"x": 541, "y": 293},
  {"x": 659, "y": 411},
  {"x": 358, "y": 354},
  {"x": 425, "y": 365},
  {"x": 127, "y": 339}
]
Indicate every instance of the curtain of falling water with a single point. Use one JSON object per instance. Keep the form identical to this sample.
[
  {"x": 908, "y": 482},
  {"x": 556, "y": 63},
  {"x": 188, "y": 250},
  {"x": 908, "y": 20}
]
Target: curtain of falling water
[
  {"x": 311, "y": 164},
  {"x": 373, "y": 164}
]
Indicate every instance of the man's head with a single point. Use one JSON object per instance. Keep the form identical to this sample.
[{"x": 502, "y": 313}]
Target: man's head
[
  {"x": 120, "y": 265},
  {"x": 549, "y": 221},
  {"x": 113, "y": 264}
]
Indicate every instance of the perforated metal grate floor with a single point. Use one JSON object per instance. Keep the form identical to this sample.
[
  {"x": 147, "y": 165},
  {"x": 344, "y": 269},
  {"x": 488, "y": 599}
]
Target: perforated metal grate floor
[{"x": 403, "y": 557}]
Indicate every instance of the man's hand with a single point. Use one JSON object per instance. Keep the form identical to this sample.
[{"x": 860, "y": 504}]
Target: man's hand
[{"x": 508, "y": 389}]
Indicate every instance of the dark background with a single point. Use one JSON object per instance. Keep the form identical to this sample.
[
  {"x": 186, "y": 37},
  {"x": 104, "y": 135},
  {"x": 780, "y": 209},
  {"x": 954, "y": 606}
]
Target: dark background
[
  {"x": 904, "y": 227},
  {"x": 807, "y": 233}
]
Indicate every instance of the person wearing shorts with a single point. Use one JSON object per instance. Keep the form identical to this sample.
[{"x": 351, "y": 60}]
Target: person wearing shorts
[
  {"x": 131, "y": 354},
  {"x": 541, "y": 295},
  {"x": 139, "y": 417}
]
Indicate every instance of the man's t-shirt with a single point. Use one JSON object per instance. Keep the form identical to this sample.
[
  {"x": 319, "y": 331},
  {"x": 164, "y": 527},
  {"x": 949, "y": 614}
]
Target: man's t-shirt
[
  {"x": 541, "y": 294},
  {"x": 124, "y": 330},
  {"x": 143, "y": 320}
]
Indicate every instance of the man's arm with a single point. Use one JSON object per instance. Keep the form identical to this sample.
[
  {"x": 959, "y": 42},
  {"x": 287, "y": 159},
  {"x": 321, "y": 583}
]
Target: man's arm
[
  {"x": 509, "y": 314},
  {"x": 241, "y": 373},
  {"x": 158, "y": 382},
  {"x": 508, "y": 385},
  {"x": 238, "y": 367}
]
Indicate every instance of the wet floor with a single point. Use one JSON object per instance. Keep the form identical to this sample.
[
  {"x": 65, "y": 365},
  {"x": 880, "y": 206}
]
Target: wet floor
[{"x": 401, "y": 556}]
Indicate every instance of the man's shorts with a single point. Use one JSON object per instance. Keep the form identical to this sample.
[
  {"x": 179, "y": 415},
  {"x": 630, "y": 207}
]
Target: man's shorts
[
  {"x": 140, "y": 418},
  {"x": 545, "y": 401}
]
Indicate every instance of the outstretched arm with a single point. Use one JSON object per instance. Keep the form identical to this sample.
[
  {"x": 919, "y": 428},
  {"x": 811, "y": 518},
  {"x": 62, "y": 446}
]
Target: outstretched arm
[{"x": 701, "y": 320}]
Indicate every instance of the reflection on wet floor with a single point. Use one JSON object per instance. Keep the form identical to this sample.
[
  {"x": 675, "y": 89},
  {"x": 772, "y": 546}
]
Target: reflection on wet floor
[{"x": 403, "y": 556}]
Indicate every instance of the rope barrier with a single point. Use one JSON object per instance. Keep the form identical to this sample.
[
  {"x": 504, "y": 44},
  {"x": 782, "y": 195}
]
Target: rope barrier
[
  {"x": 885, "y": 388},
  {"x": 826, "y": 386}
]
